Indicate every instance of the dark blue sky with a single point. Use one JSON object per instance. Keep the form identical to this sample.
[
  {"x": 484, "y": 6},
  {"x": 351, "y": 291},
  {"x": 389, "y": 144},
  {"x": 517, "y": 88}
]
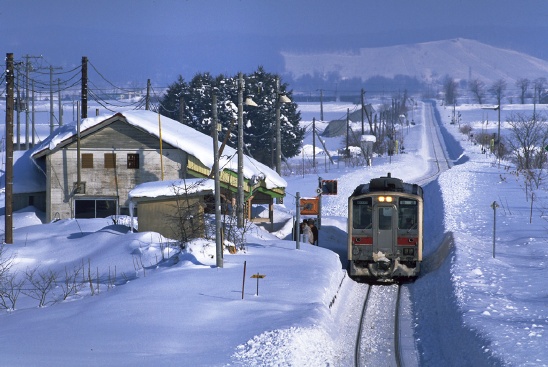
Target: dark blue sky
[{"x": 134, "y": 40}]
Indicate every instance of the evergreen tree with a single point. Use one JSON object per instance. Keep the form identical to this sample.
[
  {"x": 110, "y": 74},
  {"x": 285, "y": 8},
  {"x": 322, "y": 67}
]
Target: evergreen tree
[
  {"x": 259, "y": 122},
  {"x": 261, "y": 133}
]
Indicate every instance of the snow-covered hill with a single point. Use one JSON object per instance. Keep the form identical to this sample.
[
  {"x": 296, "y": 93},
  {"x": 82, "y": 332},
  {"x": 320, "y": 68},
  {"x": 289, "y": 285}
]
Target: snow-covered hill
[{"x": 462, "y": 59}]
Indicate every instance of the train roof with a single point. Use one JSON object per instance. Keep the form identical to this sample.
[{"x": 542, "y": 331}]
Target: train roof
[{"x": 388, "y": 183}]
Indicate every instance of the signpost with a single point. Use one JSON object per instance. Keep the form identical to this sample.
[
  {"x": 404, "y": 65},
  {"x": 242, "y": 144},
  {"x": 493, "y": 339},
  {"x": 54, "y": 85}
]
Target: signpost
[{"x": 258, "y": 276}]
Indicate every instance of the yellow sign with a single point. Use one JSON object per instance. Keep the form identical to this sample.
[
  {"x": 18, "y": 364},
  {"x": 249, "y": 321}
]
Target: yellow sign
[{"x": 258, "y": 276}]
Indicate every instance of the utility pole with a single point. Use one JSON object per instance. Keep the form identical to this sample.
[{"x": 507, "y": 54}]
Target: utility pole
[
  {"x": 314, "y": 142},
  {"x": 28, "y": 68},
  {"x": 147, "y": 105},
  {"x": 60, "y": 104},
  {"x": 321, "y": 104},
  {"x": 240, "y": 198},
  {"x": 51, "y": 113},
  {"x": 9, "y": 151},
  {"x": 18, "y": 106},
  {"x": 278, "y": 130},
  {"x": 363, "y": 110},
  {"x": 217, "y": 178},
  {"x": 84, "y": 87},
  {"x": 181, "y": 110},
  {"x": 33, "y": 119},
  {"x": 347, "y": 154}
]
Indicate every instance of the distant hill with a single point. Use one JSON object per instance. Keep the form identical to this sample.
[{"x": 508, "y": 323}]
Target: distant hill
[{"x": 462, "y": 59}]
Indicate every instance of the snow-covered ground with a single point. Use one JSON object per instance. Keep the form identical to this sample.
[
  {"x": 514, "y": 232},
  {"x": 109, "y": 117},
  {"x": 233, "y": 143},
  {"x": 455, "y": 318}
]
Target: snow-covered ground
[{"x": 155, "y": 306}]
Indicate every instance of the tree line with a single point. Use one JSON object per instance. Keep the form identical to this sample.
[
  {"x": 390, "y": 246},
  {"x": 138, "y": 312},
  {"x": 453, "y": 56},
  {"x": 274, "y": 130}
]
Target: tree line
[{"x": 480, "y": 90}]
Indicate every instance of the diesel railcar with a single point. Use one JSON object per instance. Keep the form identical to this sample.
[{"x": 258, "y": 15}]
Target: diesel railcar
[{"x": 385, "y": 230}]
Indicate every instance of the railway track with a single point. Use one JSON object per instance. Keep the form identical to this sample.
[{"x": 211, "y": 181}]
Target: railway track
[
  {"x": 439, "y": 158},
  {"x": 377, "y": 341},
  {"x": 385, "y": 334}
]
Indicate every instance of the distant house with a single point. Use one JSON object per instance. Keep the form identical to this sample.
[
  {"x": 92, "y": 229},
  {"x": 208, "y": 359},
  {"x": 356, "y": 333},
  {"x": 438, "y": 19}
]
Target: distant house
[
  {"x": 338, "y": 127},
  {"x": 90, "y": 174}
]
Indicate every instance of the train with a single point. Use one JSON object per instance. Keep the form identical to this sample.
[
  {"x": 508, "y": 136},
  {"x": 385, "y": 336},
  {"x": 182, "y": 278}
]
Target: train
[{"x": 385, "y": 230}]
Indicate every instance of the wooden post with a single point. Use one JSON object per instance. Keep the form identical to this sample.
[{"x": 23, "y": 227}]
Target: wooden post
[{"x": 9, "y": 150}]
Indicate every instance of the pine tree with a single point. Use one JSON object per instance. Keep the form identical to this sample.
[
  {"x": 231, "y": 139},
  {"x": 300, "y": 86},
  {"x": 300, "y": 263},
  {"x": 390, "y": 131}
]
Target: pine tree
[
  {"x": 259, "y": 122},
  {"x": 261, "y": 133}
]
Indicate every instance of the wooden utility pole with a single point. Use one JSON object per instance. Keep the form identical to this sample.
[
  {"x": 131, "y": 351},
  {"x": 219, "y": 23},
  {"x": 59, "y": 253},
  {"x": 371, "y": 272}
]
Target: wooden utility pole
[
  {"x": 321, "y": 104},
  {"x": 18, "y": 106},
  {"x": 84, "y": 87},
  {"x": 60, "y": 104},
  {"x": 314, "y": 142},
  {"x": 28, "y": 69},
  {"x": 181, "y": 110},
  {"x": 363, "y": 110},
  {"x": 33, "y": 130},
  {"x": 51, "y": 113},
  {"x": 9, "y": 150},
  {"x": 147, "y": 105},
  {"x": 218, "y": 224},
  {"x": 347, "y": 132}
]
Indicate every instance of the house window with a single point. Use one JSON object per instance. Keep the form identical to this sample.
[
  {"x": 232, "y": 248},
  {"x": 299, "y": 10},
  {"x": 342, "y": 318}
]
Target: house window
[
  {"x": 87, "y": 160},
  {"x": 110, "y": 160},
  {"x": 132, "y": 160},
  {"x": 94, "y": 208}
]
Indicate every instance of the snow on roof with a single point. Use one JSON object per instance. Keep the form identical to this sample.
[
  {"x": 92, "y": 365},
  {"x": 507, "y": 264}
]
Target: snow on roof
[
  {"x": 171, "y": 188},
  {"x": 369, "y": 138},
  {"x": 176, "y": 134}
]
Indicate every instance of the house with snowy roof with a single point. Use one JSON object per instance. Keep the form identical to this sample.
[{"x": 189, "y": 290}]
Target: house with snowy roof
[{"x": 91, "y": 167}]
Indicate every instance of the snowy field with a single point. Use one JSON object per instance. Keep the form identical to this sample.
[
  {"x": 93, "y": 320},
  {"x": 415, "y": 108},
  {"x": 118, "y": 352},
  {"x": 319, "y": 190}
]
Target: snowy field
[{"x": 155, "y": 306}]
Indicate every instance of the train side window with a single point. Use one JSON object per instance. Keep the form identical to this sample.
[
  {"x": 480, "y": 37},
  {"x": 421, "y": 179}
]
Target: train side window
[{"x": 362, "y": 213}]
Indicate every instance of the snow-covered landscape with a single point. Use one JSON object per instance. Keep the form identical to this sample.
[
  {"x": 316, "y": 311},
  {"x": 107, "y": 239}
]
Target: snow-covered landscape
[{"x": 151, "y": 304}]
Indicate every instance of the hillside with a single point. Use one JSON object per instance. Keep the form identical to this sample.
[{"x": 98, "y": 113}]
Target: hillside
[{"x": 462, "y": 59}]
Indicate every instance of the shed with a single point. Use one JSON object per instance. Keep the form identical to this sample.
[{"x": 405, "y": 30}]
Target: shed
[{"x": 173, "y": 208}]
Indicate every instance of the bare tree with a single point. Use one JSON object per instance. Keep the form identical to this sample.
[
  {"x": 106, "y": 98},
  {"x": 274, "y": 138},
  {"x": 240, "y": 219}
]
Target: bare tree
[
  {"x": 450, "y": 89},
  {"x": 71, "y": 285},
  {"x": 10, "y": 285},
  {"x": 539, "y": 84},
  {"x": 497, "y": 89},
  {"x": 529, "y": 136},
  {"x": 186, "y": 220},
  {"x": 41, "y": 284},
  {"x": 477, "y": 87},
  {"x": 10, "y": 289},
  {"x": 523, "y": 85},
  {"x": 5, "y": 262}
]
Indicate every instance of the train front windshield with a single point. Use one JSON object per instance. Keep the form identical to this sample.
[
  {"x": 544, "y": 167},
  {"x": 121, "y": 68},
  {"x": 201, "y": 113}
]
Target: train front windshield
[
  {"x": 362, "y": 213},
  {"x": 408, "y": 213}
]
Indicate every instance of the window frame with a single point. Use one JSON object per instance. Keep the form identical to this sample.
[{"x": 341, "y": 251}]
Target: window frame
[{"x": 133, "y": 161}]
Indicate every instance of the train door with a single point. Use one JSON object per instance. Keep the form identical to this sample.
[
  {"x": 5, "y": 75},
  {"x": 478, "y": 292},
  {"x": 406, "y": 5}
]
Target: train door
[{"x": 384, "y": 236}]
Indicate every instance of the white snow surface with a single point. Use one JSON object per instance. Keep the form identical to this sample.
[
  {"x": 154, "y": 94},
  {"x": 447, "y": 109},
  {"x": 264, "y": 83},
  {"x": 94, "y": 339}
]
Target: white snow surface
[{"x": 156, "y": 306}]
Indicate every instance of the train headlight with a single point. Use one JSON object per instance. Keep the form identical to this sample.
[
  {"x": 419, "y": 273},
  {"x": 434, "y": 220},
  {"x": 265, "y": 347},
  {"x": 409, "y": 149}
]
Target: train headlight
[{"x": 387, "y": 199}]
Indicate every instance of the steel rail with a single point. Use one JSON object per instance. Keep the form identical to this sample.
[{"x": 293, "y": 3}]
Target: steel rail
[{"x": 359, "y": 359}]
